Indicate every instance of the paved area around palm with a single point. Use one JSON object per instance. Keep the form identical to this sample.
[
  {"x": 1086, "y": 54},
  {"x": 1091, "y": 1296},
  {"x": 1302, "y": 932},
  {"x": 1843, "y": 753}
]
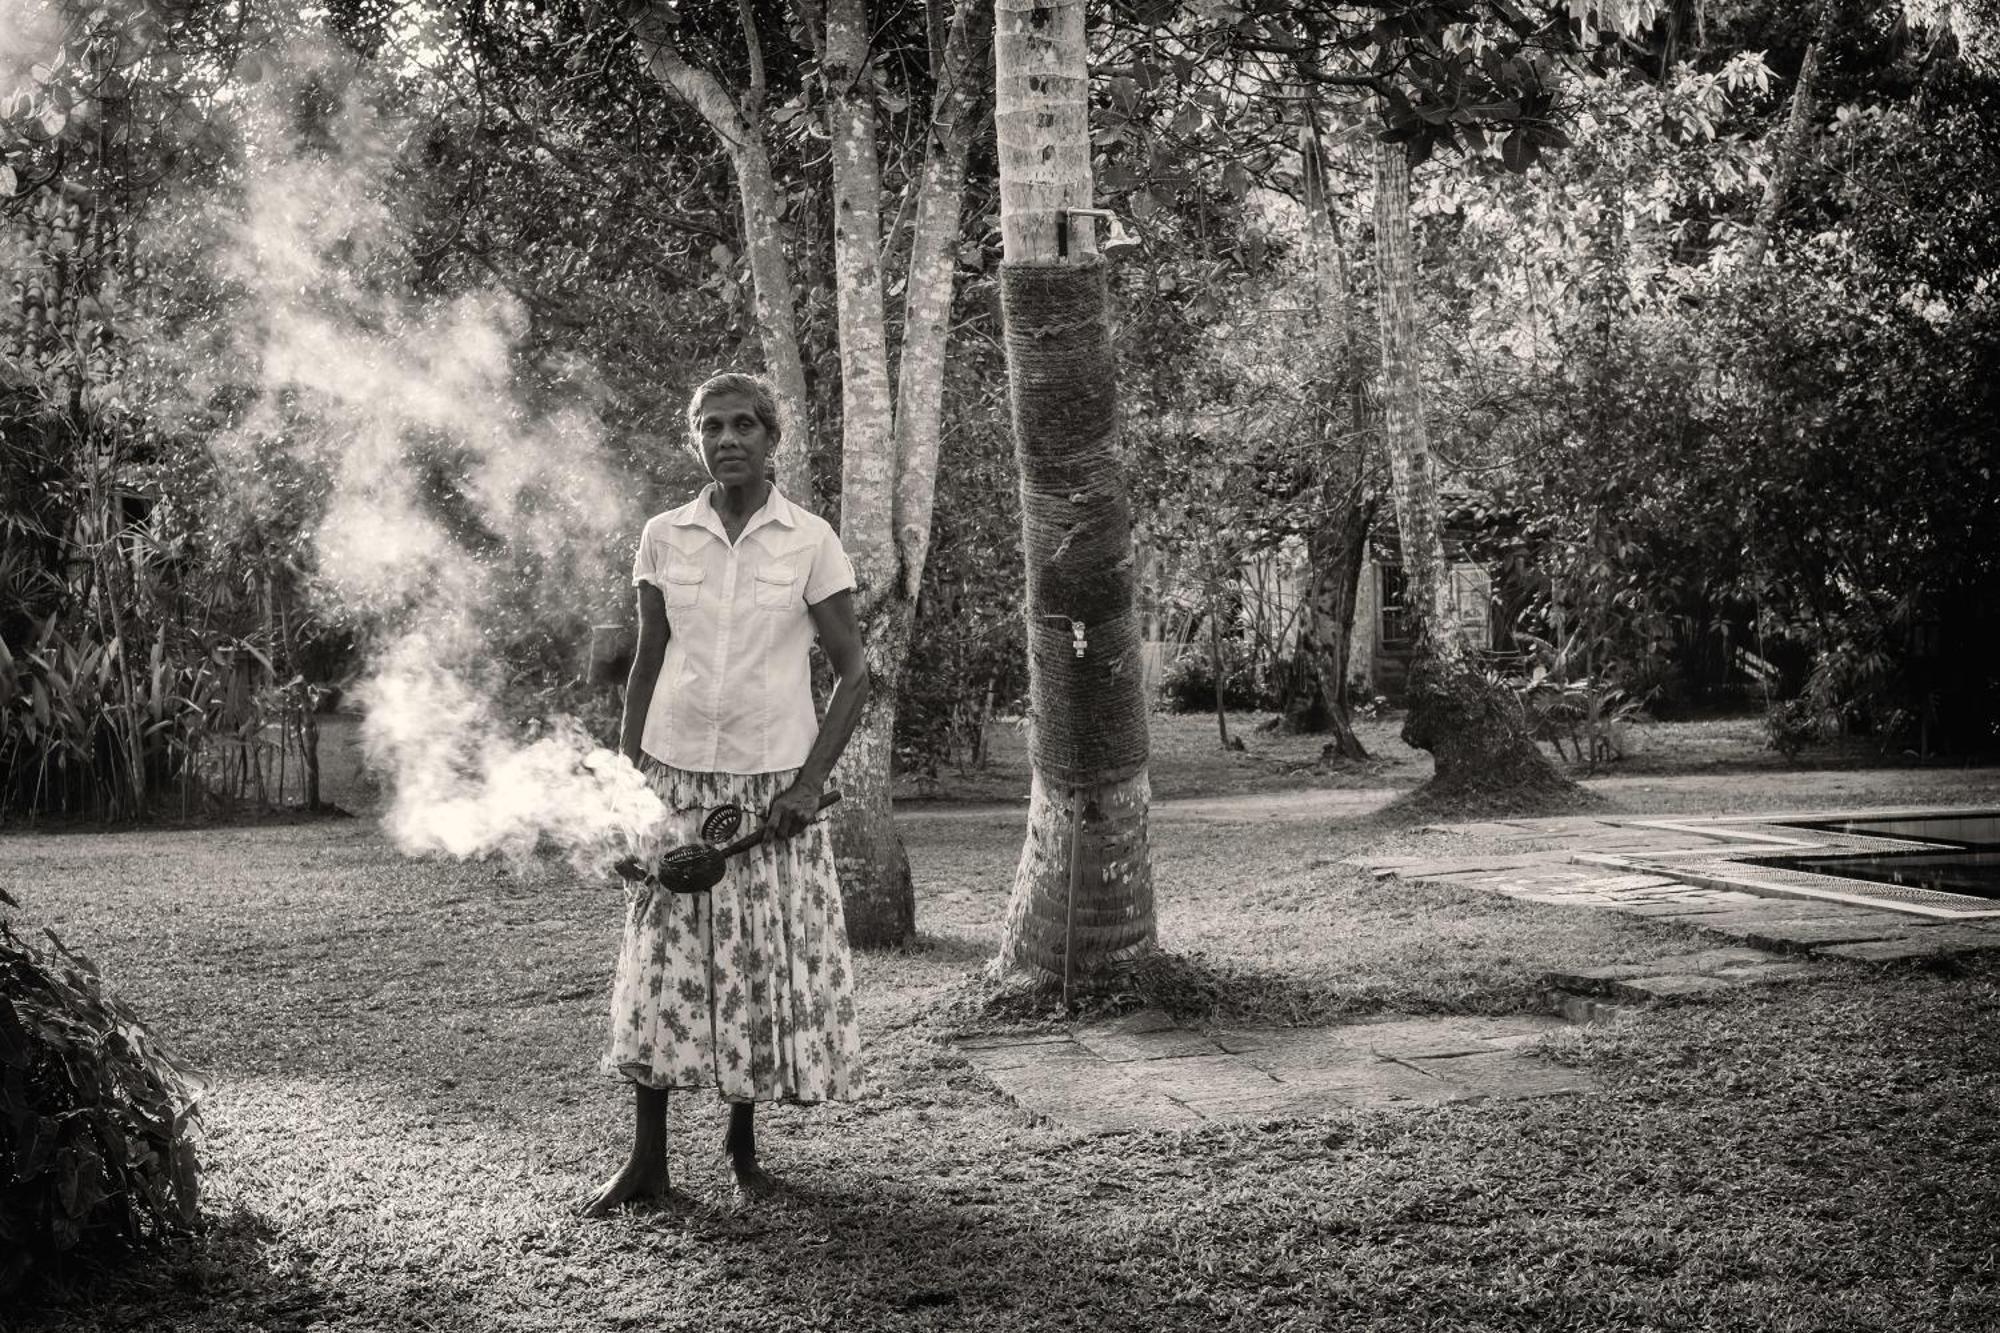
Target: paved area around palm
[{"x": 1144, "y": 1072}]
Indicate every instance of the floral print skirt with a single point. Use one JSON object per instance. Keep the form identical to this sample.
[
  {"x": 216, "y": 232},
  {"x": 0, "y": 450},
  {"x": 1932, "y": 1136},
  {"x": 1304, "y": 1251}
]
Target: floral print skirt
[{"x": 746, "y": 990}]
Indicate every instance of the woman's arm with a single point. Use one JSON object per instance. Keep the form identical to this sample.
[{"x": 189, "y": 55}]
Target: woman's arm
[
  {"x": 840, "y": 638},
  {"x": 645, "y": 674}
]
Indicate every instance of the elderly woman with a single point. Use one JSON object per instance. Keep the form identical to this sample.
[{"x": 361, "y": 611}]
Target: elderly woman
[{"x": 745, "y": 991}]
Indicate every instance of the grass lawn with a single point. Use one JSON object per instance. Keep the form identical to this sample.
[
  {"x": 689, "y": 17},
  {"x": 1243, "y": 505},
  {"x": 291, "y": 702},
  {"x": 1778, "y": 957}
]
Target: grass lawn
[
  {"x": 1707, "y": 766},
  {"x": 405, "y": 1107}
]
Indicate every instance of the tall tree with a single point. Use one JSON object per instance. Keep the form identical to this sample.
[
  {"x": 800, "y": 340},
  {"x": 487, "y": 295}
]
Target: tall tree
[
  {"x": 889, "y": 443},
  {"x": 1083, "y": 892},
  {"x": 1475, "y": 732},
  {"x": 1337, "y": 541}
]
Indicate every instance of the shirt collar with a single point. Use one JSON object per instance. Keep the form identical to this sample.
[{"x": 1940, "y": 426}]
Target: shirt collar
[{"x": 702, "y": 514}]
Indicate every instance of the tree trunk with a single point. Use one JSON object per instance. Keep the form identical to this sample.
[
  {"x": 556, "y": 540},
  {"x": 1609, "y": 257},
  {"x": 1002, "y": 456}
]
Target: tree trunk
[
  {"x": 1791, "y": 145},
  {"x": 309, "y": 754},
  {"x": 777, "y": 324},
  {"x": 1221, "y": 672},
  {"x": 1335, "y": 546},
  {"x": 1082, "y": 901},
  {"x": 875, "y": 872},
  {"x": 1475, "y": 732},
  {"x": 928, "y": 292},
  {"x": 1333, "y": 551},
  {"x": 877, "y": 893}
]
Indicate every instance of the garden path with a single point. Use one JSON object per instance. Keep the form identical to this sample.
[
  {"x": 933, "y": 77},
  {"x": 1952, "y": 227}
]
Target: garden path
[{"x": 1145, "y": 1072}]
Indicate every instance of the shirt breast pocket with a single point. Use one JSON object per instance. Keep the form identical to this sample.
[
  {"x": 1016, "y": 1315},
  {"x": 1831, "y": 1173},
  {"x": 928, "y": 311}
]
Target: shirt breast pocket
[
  {"x": 682, "y": 585},
  {"x": 777, "y": 588}
]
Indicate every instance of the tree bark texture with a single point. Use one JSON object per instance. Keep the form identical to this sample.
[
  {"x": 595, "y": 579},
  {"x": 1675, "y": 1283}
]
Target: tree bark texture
[
  {"x": 1474, "y": 731},
  {"x": 874, "y": 869},
  {"x": 1338, "y": 541},
  {"x": 927, "y": 298},
  {"x": 1334, "y": 551},
  {"x": 1082, "y": 900},
  {"x": 877, "y": 894}
]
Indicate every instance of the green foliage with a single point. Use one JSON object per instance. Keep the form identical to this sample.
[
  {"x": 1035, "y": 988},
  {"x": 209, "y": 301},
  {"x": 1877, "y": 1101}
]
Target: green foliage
[
  {"x": 1694, "y": 459},
  {"x": 97, "y": 1121},
  {"x": 90, "y": 726},
  {"x": 1795, "y": 724},
  {"x": 1563, "y": 703},
  {"x": 967, "y": 660},
  {"x": 1187, "y": 684}
]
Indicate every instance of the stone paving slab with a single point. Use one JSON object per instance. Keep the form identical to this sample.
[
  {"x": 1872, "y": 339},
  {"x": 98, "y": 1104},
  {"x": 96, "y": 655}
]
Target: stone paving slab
[
  {"x": 1674, "y": 986},
  {"x": 1591, "y": 872},
  {"x": 1166, "y": 1082},
  {"x": 1238, "y": 1040},
  {"x": 1589, "y": 980},
  {"x": 1681, "y": 976},
  {"x": 1063, "y": 1082},
  {"x": 1458, "y": 1034},
  {"x": 1940, "y": 941},
  {"x": 1120, "y": 1047},
  {"x": 1366, "y": 1082},
  {"x": 1761, "y": 974},
  {"x": 1807, "y": 934},
  {"x": 1504, "y": 1076},
  {"x": 1685, "y": 907},
  {"x": 1006, "y": 1040},
  {"x": 1205, "y": 1081}
]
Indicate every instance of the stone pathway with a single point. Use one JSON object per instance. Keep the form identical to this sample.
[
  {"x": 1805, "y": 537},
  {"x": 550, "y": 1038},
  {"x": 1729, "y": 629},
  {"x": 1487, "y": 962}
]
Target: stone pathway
[
  {"x": 1143, "y": 1072},
  {"x": 1575, "y": 862}
]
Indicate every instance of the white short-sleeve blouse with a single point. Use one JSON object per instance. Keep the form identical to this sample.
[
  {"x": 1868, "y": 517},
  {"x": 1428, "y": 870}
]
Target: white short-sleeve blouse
[{"x": 735, "y": 689}]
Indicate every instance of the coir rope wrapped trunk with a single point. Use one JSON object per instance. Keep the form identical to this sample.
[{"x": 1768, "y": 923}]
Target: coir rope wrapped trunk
[{"x": 1083, "y": 629}]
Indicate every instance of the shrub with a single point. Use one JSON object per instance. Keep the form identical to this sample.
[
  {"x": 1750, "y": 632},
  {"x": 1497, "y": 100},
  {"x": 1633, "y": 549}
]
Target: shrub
[
  {"x": 96, "y": 1121},
  {"x": 1187, "y": 684},
  {"x": 1794, "y": 724}
]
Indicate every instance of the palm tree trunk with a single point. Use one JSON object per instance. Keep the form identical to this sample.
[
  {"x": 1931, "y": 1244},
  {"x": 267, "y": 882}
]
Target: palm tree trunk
[
  {"x": 1474, "y": 731},
  {"x": 1083, "y": 892}
]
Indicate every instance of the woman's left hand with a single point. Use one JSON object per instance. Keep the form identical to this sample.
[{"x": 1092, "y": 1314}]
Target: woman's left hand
[{"x": 796, "y": 807}]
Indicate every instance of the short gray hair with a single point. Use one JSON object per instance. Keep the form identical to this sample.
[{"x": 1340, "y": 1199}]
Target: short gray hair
[{"x": 754, "y": 387}]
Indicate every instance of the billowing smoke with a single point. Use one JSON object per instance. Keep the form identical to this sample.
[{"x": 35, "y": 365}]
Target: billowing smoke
[
  {"x": 450, "y": 501},
  {"x": 30, "y": 32}
]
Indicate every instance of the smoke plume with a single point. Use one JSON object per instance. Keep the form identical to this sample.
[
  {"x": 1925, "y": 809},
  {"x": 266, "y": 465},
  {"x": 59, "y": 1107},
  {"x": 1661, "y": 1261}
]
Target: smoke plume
[
  {"x": 29, "y": 34},
  {"x": 452, "y": 507}
]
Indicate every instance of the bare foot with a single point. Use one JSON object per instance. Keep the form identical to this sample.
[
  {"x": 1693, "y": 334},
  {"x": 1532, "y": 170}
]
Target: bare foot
[
  {"x": 635, "y": 1180},
  {"x": 752, "y": 1181}
]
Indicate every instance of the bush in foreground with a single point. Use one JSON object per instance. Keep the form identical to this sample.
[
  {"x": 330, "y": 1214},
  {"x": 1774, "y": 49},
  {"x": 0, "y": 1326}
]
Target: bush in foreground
[{"x": 96, "y": 1121}]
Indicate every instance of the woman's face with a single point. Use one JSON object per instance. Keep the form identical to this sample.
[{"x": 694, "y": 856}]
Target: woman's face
[{"x": 735, "y": 446}]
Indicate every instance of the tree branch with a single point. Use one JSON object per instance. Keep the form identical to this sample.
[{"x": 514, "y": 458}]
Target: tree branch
[
  {"x": 753, "y": 97},
  {"x": 697, "y": 87}
]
